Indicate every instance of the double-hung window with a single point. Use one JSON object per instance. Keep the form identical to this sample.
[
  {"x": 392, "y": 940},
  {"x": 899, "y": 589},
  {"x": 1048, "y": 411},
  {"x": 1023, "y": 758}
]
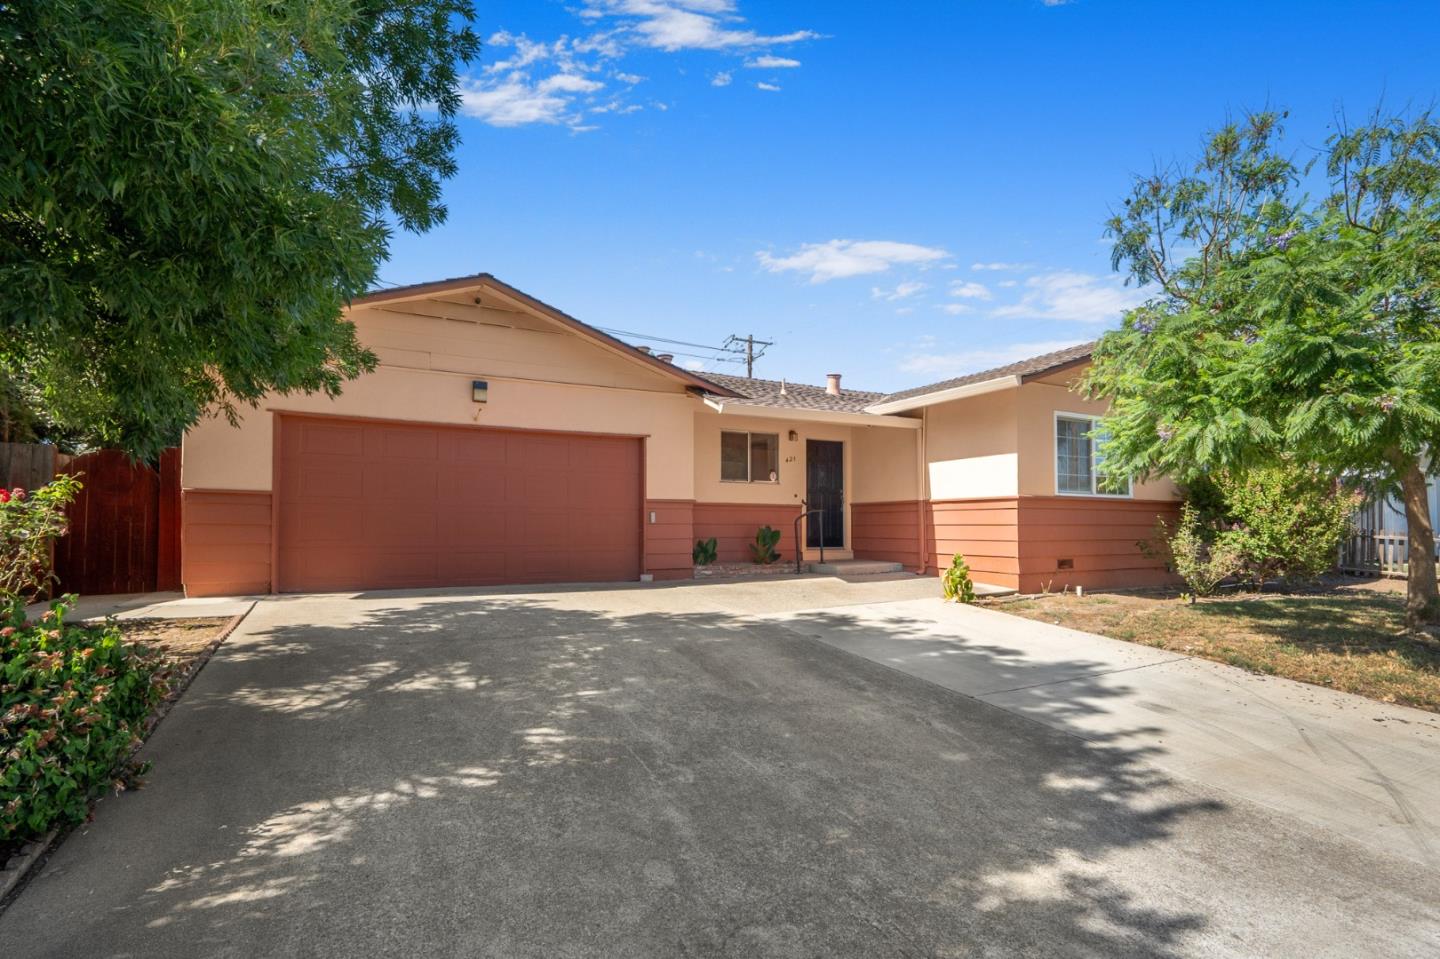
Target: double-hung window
[
  {"x": 1079, "y": 460},
  {"x": 749, "y": 457}
]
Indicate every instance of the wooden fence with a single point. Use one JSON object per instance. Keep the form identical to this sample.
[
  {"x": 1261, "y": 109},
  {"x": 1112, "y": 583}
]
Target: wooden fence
[
  {"x": 28, "y": 465},
  {"x": 124, "y": 525},
  {"x": 1378, "y": 544}
]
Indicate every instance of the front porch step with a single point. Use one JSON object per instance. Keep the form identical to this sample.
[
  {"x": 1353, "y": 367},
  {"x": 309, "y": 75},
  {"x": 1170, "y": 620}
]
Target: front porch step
[{"x": 856, "y": 567}]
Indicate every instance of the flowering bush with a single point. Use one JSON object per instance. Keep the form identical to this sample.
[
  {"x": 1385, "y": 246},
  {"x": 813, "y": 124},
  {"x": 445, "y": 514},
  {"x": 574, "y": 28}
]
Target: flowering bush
[
  {"x": 73, "y": 701},
  {"x": 28, "y": 524}
]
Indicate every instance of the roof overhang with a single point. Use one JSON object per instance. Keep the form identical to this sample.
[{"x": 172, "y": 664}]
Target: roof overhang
[
  {"x": 527, "y": 303},
  {"x": 719, "y": 405},
  {"x": 944, "y": 396}
]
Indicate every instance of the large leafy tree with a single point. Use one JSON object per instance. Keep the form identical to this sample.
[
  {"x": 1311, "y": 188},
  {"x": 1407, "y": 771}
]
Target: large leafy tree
[
  {"x": 1297, "y": 318},
  {"x": 192, "y": 190}
]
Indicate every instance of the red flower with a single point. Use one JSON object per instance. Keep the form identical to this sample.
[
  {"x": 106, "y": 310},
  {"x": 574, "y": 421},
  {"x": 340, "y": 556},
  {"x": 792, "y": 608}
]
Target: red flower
[{"x": 4, "y": 496}]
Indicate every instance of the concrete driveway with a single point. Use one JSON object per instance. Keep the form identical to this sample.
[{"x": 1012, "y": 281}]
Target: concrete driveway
[{"x": 669, "y": 772}]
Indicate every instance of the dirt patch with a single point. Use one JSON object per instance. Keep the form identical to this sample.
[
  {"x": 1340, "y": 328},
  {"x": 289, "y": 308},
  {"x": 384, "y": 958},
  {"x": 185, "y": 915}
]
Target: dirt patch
[{"x": 1346, "y": 635}]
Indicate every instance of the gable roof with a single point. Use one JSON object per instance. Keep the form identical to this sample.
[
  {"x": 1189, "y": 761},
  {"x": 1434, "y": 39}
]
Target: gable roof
[
  {"x": 506, "y": 291},
  {"x": 796, "y": 396},
  {"x": 1017, "y": 372}
]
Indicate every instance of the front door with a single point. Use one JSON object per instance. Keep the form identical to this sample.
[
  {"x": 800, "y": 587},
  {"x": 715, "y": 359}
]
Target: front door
[{"x": 825, "y": 491}]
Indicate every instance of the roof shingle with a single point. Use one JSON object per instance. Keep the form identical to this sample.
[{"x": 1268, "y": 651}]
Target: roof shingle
[{"x": 797, "y": 396}]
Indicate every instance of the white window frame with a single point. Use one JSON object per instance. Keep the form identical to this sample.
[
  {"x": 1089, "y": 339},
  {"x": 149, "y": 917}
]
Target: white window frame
[
  {"x": 1093, "y": 420},
  {"x": 749, "y": 457}
]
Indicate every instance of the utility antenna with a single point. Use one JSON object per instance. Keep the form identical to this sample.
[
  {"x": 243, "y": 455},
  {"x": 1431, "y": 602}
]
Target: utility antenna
[{"x": 746, "y": 345}]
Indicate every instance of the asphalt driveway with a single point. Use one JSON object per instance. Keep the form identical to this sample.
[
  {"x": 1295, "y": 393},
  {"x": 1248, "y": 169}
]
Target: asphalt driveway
[{"x": 663, "y": 772}]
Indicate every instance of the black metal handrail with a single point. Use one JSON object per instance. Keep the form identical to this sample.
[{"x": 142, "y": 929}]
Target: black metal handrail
[{"x": 805, "y": 515}]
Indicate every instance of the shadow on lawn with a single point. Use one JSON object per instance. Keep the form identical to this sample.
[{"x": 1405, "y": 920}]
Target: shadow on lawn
[{"x": 506, "y": 776}]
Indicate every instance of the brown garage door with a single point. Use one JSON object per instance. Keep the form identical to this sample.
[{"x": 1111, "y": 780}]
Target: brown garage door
[{"x": 366, "y": 505}]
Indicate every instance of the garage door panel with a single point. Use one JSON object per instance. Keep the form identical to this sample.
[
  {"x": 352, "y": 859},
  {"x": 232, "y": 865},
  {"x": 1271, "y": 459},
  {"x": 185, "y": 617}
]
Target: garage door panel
[
  {"x": 412, "y": 481},
  {"x": 327, "y": 480},
  {"x": 334, "y": 439},
  {"x": 324, "y": 523},
  {"x": 400, "y": 529},
  {"x": 376, "y": 505},
  {"x": 475, "y": 525},
  {"x": 408, "y": 443},
  {"x": 475, "y": 447},
  {"x": 475, "y": 568}
]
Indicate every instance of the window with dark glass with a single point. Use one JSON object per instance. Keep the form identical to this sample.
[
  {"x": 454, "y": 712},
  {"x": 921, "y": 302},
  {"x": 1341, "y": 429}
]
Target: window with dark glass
[{"x": 749, "y": 457}]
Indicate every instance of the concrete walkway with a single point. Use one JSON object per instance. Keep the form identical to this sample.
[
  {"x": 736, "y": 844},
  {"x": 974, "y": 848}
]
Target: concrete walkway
[
  {"x": 1364, "y": 769},
  {"x": 153, "y": 606}
]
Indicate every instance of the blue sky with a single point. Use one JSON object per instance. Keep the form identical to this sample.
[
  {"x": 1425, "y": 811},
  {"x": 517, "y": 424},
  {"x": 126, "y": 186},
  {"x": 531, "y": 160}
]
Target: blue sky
[{"x": 898, "y": 192}]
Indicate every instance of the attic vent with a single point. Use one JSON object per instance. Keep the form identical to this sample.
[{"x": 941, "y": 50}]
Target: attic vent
[
  {"x": 1064, "y": 564},
  {"x": 643, "y": 349},
  {"x": 665, "y": 357}
]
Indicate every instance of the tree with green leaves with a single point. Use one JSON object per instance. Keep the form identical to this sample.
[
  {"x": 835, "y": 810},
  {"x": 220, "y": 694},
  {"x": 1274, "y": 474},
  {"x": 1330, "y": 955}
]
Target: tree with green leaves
[
  {"x": 191, "y": 191},
  {"x": 1297, "y": 316}
]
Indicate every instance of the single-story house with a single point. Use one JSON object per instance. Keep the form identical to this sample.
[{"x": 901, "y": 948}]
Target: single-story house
[{"x": 503, "y": 441}]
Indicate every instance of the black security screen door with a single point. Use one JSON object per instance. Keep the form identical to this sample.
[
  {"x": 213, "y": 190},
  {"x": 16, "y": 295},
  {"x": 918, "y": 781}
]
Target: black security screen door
[{"x": 825, "y": 491}]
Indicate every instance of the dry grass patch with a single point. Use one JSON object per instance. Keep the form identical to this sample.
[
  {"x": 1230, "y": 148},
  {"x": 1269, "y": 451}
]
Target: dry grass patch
[{"x": 1342, "y": 637}]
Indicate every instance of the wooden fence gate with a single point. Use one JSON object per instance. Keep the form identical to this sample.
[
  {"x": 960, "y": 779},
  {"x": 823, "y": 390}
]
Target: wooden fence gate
[{"x": 124, "y": 526}]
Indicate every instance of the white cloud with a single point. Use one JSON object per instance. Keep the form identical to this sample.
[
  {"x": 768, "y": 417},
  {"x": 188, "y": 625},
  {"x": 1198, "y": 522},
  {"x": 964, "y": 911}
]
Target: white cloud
[
  {"x": 568, "y": 83},
  {"x": 1078, "y": 297},
  {"x": 512, "y": 102},
  {"x": 1056, "y": 3},
  {"x": 904, "y": 310},
  {"x": 769, "y": 62},
  {"x": 843, "y": 258},
  {"x": 902, "y": 291},
  {"x": 945, "y": 365},
  {"x": 672, "y": 25},
  {"x": 694, "y": 366},
  {"x": 955, "y": 309},
  {"x": 1008, "y": 283},
  {"x": 969, "y": 291},
  {"x": 537, "y": 81},
  {"x": 1000, "y": 266}
]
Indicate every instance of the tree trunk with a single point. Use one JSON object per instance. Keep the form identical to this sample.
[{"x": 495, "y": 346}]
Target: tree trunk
[{"x": 1422, "y": 598}]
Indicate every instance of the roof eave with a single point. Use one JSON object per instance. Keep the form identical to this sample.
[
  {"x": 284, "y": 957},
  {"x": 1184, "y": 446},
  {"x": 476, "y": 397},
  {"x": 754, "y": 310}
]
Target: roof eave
[
  {"x": 506, "y": 291},
  {"x": 944, "y": 396},
  {"x": 810, "y": 416}
]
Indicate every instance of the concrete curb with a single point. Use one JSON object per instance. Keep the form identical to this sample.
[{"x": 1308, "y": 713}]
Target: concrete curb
[{"x": 16, "y": 874}]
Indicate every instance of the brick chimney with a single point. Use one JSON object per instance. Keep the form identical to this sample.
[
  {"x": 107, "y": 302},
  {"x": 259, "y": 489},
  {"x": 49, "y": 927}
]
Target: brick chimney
[{"x": 832, "y": 384}]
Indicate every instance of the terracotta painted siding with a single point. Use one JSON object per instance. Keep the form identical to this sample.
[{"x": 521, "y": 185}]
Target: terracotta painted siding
[
  {"x": 670, "y": 538},
  {"x": 887, "y": 531},
  {"x": 734, "y": 524},
  {"x": 225, "y": 537},
  {"x": 1100, "y": 538},
  {"x": 984, "y": 530}
]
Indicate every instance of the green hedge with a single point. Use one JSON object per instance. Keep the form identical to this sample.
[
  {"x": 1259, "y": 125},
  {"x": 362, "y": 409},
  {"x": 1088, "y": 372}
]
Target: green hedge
[{"x": 73, "y": 702}]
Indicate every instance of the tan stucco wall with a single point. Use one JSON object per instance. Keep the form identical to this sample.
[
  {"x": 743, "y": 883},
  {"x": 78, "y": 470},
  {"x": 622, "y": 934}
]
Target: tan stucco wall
[
  {"x": 428, "y": 380},
  {"x": 885, "y": 464},
  {"x": 1037, "y": 405},
  {"x": 971, "y": 447}
]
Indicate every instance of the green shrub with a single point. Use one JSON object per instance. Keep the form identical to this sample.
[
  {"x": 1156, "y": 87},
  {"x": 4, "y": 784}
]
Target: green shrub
[
  {"x": 956, "y": 583},
  {"x": 1199, "y": 551},
  {"x": 1288, "y": 520},
  {"x": 28, "y": 522},
  {"x": 763, "y": 549},
  {"x": 705, "y": 551},
  {"x": 1281, "y": 522},
  {"x": 73, "y": 702}
]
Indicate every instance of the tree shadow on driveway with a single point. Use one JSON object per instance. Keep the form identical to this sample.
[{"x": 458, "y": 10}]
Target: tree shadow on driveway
[{"x": 524, "y": 776}]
